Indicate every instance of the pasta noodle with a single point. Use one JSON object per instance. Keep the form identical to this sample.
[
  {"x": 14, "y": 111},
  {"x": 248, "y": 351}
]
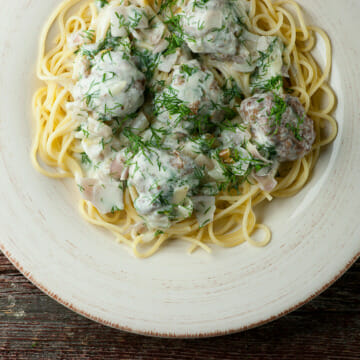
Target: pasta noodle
[{"x": 235, "y": 221}]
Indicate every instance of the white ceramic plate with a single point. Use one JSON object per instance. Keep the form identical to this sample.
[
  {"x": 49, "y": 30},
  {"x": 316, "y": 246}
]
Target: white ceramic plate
[{"x": 316, "y": 234}]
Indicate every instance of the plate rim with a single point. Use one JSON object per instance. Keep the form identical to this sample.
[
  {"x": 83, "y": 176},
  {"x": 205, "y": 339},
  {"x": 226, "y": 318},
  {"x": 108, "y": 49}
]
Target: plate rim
[{"x": 200, "y": 335}]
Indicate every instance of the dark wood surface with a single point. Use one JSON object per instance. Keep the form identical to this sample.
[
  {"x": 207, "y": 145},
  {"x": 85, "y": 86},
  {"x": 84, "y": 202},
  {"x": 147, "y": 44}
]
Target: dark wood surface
[{"x": 33, "y": 326}]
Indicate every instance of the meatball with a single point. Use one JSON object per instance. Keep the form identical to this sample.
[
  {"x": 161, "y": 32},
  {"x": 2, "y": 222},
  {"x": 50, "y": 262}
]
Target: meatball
[
  {"x": 218, "y": 28},
  {"x": 192, "y": 96},
  {"x": 163, "y": 182},
  {"x": 281, "y": 122},
  {"x": 211, "y": 27},
  {"x": 114, "y": 86}
]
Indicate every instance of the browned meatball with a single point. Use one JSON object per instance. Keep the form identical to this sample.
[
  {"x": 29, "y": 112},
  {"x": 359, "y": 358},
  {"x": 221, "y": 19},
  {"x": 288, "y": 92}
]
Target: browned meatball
[{"x": 279, "y": 121}]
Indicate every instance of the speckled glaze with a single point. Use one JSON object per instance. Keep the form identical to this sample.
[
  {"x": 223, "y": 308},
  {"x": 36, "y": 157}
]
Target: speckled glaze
[{"x": 316, "y": 234}]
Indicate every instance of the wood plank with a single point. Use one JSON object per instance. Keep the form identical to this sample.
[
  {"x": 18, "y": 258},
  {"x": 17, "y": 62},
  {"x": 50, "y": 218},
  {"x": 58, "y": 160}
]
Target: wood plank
[{"x": 33, "y": 326}]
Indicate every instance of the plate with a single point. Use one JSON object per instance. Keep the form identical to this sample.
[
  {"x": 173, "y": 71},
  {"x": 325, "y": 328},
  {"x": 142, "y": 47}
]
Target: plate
[{"x": 316, "y": 235}]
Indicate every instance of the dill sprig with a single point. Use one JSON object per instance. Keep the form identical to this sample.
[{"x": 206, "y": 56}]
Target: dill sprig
[
  {"x": 137, "y": 144},
  {"x": 88, "y": 34},
  {"x": 168, "y": 101},
  {"x": 107, "y": 44},
  {"x": 85, "y": 159},
  {"x": 200, "y": 4},
  {"x": 147, "y": 61},
  {"x": 157, "y": 137},
  {"x": 276, "y": 83},
  {"x": 92, "y": 93},
  {"x": 268, "y": 151},
  {"x": 232, "y": 91},
  {"x": 166, "y": 4},
  {"x": 263, "y": 63},
  {"x": 296, "y": 128},
  {"x": 177, "y": 35},
  {"x": 102, "y": 3},
  {"x": 277, "y": 111},
  {"x": 204, "y": 144},
  {"x": 188, "y": 70},
  {"x": 147, "y": 147},
  {"x": 232, "y": 170}
]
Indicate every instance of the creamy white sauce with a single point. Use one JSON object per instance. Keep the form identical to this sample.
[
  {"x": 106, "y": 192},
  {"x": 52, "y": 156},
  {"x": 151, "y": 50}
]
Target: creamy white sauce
[
  {"x": 114, "y": 86},
  {"x": 204, "y": 207},
  {"x": 162, "y": 182},
  {"x": 180, "y": 145},
  {"x": 212, "y": 27},
  {"x": 141, "y": 23},
  {"x": 193, "y": 88}
]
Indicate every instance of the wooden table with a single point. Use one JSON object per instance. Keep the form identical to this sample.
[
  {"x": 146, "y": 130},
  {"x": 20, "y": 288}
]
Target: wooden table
[{"x": 33, "y": 326}]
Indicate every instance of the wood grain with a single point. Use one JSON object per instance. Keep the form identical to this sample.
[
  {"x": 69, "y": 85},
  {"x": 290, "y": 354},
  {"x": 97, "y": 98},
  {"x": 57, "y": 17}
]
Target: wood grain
[{"x": 33, "y": 326}]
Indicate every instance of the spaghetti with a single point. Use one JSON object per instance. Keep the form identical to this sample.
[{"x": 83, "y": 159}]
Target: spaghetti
[{"x": 56, "y": 145}]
